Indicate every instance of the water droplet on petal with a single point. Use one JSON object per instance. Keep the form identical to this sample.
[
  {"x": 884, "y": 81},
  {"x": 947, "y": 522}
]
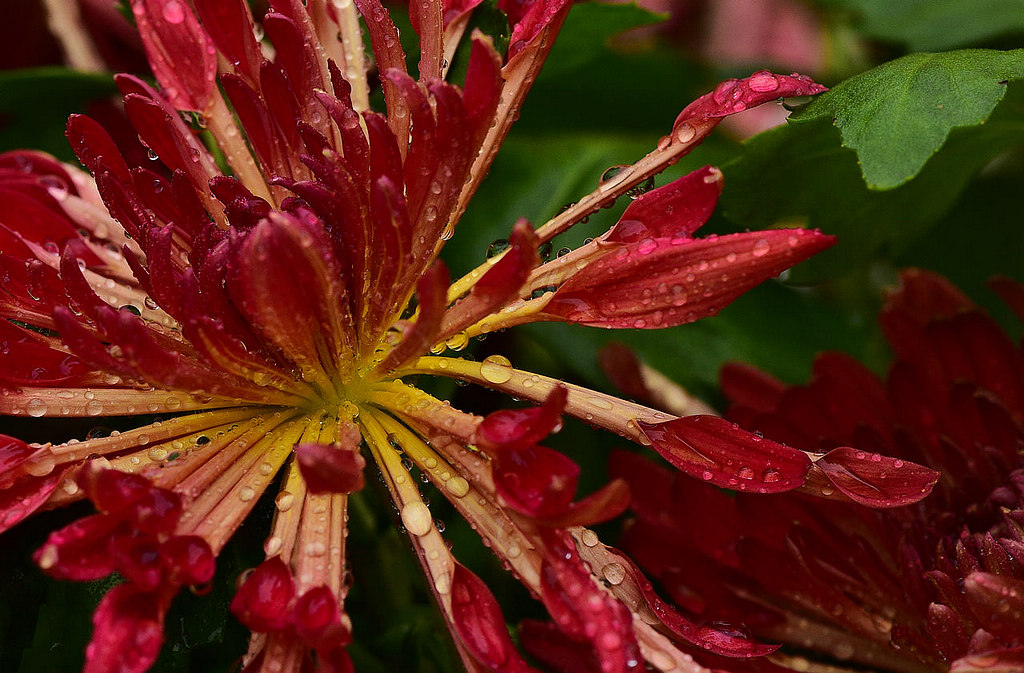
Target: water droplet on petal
[
  {"x": 173, "y": 12},
  {"x": 496, "y": 369},
  {"x": 416, "y": 518},
  {"x": 763, "y": 81}
]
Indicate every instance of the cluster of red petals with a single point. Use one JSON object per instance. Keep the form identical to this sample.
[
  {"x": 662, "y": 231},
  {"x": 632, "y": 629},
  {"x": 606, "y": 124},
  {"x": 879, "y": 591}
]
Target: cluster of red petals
[
  {"x": 279, "y": 291},
  {"x": 267, "y": 603},
  {"x": 934, "y": 585},
  {"x": 539, "y": 482},
  {"x": 132, "y": 534}
]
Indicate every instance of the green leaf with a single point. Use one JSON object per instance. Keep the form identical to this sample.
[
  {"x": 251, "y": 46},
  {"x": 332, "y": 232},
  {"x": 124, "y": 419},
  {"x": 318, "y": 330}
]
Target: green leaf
[
  {"x": 800, "y": 175},
  {"x": 896, "y": 116},
  {"x": 933, "y": 25},
  {"x": 35, "y": 104}
]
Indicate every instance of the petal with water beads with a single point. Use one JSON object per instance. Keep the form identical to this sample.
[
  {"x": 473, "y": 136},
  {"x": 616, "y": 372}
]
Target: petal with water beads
[
  {"x": 998, "y": 604},
  {"x": 997, "y": 661},
  {"x": 875, "y": 480},
  {"x": 79, "y": 551},
  {"x": 480, "y": 625},
  {"x": 677, "y": 209},
  {"x": 535, "y": 480},
  {"x": 318, "y": 620},
  {"x": 180, "y": 52},
  {"x": 666, "y": 281},
  {"x": 188, "y": 560},
  {"x": 584, "y": 611},
  {"x": 262, "y": 601},
  {"x": 128, "y": 630},
  {"x": 27, "y": 494},
  {"x": 523, "y": 427},
  {"x": 335, "y": 468},
  {"x": 720, "y": 452},
  {"x": 736, "y": 95}
]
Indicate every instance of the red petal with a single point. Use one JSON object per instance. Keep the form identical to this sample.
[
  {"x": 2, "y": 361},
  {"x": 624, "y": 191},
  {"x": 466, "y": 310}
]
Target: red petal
[
  {"x": 662, "y": 282},
  {"x": 677, "y": 209},
  {"x": 602, "y": 505},
  {"x": 523, "y": 427},
  {"x": 620, "y": 364},
  {"x": 998, "y": 604},
  {"x": 158, "y": 511},
  {"x": 432, "y": 293},
  {"x": 1011, "y": 292},
  {"x": 478, "y": 620},
  {"x": 13, "y": 452},
  {"x": 188, "y": 560},
  {"x": 137, "y": 559},
  {"x": 875, "y": 480},
  {"x": 127, "y": 631},
  {"x": 113, "y": 491},
  {"x": 483, "y": 86},
  {"x": 526, "y": 26},
  {"x": 749, "y": 387},
  {"x": 736, "y": 95},
  {"x": 25, "y": 496},
  {"x": 535, "y": 480},
  {"x": 318, "y": 620},
  {"x": 996, "y": 661},
  {"x": 500, "y": 284},
  {"x": 262, "y": 601},
  {"x": 585, "y": 612},
  {"x": 720, "y": 452},
  {"x": 230, "y": 25},
  {"x": 337, "y": 468},
  {"x": 288, "y": 283},
  {"x": 79, "y": 551},
  {"x": 179, "y": 51},
  {"x": 544, "y": 642}
]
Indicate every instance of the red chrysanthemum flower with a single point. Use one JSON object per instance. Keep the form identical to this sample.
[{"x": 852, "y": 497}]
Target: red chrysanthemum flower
[
  {"x": 269, "y": 317},
  {"x": 933, "y": 586}
]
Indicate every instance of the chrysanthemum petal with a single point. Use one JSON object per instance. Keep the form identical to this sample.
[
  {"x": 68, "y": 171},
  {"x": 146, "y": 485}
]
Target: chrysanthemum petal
[
  {"x": 876, "y": 480},
  {"x": 127, "y": 631},
  {"x": 720, "y": 452},
  {"x": 337, "y": 468},
  {"x": 677, "y": 209},
  {"x": 180, "y": 52},
  {"x": 677, "y": 279},
  {"x": 478, "y": 620},
  {"x": 262, "y": 601}
]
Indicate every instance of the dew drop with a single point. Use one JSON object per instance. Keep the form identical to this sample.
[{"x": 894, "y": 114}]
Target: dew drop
[
  {"x": 273, "y": 545},
  {"x": 496, "y": 369},
  {"x": 157, "y": 454},
  {"x": 284, "y": 501},
  {"x": 589, "y": 538},
  {"x": 173, "y": 12},
  {"x": 457, "y": 486},
  {"x": 497, "y": 247},
  {"x": 761, "y": 248},
  {"x": 36, "y": 407},
  {"x": 763, "y": 81},
  {"x": 416, "y": 518},
  {"x": 684, "y": 133},
  {"x": 614, "y": 573}
]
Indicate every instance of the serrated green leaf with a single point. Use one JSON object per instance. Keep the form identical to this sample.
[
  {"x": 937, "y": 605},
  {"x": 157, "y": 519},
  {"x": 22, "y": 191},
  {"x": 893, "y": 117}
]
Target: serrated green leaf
[
  {"x": 35, "y": 104},
  {"x": 801, "y": 175},
  {"x": 934, "y": 25},
  {"x": 896, "y": 116}
]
